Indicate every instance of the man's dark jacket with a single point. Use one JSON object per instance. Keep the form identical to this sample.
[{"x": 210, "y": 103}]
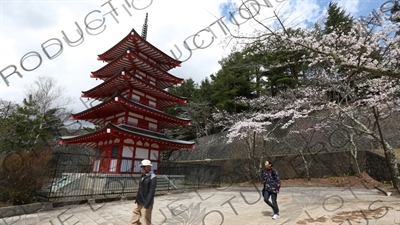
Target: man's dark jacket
[{"x": 147, "y": 189}]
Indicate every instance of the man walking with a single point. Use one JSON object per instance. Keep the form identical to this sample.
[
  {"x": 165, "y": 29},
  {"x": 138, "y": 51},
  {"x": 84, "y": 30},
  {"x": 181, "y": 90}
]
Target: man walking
[
  {"x": 272, "y": 185},
  {"x": 145, "y": 196}
]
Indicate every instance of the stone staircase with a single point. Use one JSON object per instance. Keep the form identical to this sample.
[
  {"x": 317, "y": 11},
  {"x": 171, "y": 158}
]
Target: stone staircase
[{"x": 164, "y": 184}]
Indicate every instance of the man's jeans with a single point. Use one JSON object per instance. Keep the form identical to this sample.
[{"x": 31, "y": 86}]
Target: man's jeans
[{"x": 274, "y": 204}]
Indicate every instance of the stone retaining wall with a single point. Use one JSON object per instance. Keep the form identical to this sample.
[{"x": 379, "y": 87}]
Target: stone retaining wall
[
  {"x": 290, "y": 167},
  {"x": 376, "y": 166},
  {"x": 25, "y": 209}
]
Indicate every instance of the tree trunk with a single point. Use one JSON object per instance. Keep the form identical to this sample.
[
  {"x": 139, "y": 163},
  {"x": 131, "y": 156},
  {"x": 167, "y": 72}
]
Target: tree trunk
[
  {"x": 353, "y": 152},
  {"x": 305, "y": 165},
  {"x": 390, "y": 155}
]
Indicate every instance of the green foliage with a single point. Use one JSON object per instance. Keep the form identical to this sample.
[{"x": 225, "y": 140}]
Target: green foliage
[
  {"x": 272, "y": 56},
  {"x": 27, "y": 127},
  {"x": 186, "y": 90},
  {"x": 337, "y": 18},
  {"x": 88, "y": 129},
  {"x": 30, "y": 132},
  {"x": 25, "y": 150},
  {"x": 198, "y": 109},
  {"x": 231, "y": 82},
  {"x": 395, "y": 9}
]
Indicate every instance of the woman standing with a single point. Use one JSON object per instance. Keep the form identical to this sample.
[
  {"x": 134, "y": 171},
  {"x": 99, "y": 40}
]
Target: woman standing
[{"x": 272, "y": 185}]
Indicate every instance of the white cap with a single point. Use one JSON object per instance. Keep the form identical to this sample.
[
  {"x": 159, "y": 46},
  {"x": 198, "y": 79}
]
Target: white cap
[{"x": 146, "y": 162}]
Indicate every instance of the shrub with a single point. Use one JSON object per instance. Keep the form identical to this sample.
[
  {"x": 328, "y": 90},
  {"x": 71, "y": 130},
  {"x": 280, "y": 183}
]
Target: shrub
[{"x": 22, "y": 174}]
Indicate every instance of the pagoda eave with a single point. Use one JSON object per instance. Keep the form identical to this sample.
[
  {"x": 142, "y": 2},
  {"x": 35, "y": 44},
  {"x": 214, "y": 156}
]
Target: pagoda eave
[
  {"x": 136, "y": 42},
  {"x": 132, "y": 62},
  {"x": 123, "y": 80},
  {"x": 117, "y": 104},
  {"x": 112, "y": 132}
]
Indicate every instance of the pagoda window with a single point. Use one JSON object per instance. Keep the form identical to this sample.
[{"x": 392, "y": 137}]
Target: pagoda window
[
  {"x": 154, "y": 155},
  {"x": 98, "y": 153},
  {"x": 127, "y": 152},
  {"x": 126, "y": 165},
  {"x": 113, "y": 165},
  {"x": 152, "y": 83},
  {"x": 132, "y": 121},
  {"x": 142, "y": 153},
  {"x": 152, "y": 104},
  {"x": 136, "y": 168},
  {"x": 154, "y": 167},
  {"x": 138, "y": 76},
  {"x": 96, "y": 166},
  {"x": 114, "y": 152},
  {"x": 153, "y": 126},
  {"x": 120, "y": 120},
  {"x": 135, "y": 98}
]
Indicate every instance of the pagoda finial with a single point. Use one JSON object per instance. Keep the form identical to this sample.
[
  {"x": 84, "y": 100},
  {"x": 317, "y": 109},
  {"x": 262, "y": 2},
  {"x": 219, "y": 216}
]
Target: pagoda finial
[{"x": 144, "y": 30}]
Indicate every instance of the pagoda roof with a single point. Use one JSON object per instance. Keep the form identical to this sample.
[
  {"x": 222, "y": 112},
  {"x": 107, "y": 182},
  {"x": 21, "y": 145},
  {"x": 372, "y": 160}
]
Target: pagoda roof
[
  {"x": 111, "y": 131},
  {"x": 124, "y": 80},
  {"x": 134, "y": 41},
  {"x": 137, "y": 65},
  {"x": 118, "y": 104}
]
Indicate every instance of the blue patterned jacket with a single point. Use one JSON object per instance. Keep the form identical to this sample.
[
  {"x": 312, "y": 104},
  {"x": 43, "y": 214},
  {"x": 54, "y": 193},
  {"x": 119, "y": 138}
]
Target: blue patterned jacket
[{"x": 271, "y": 180}]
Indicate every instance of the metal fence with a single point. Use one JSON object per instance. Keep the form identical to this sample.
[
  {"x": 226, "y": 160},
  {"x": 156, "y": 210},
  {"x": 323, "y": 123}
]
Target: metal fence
[
  {"x": 309, "y": 142},
  {"x": 73, "y": 179},
  {"x": 290, "y": 141},
  {"x": 195, "y": 175}
]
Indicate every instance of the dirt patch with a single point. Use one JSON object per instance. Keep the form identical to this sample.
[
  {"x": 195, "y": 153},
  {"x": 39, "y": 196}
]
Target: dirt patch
[
  {"x": 348, "y": 216},
  {"x": 308, "y": 221},
  {"x": 365, "y": 181},
  {"x": 357, "y": 215}
]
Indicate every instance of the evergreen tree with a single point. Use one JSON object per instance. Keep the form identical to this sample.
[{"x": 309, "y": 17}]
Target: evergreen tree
[
  {"x": 337, "y": 19},
  {"x": 395, "y": 11},
  {"x": 231, "y": 82},
  {"x": 198, "y": 109}
]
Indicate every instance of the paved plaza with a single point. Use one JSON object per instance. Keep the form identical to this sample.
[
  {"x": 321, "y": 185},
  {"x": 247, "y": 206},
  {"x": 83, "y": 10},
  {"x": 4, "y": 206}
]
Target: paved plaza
[{"x": 235, "y": 205}]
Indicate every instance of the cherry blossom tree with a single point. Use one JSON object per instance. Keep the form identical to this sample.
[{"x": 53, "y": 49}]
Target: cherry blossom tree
[
  {"x": 347, "y": 75},
  {"x": 352, "y": 104},
  {"x": 370, "y": 47}
]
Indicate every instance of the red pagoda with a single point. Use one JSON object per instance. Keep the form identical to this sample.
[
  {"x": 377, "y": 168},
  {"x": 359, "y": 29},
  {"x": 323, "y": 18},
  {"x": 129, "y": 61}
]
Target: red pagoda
[{"x": 130, "y": 120}]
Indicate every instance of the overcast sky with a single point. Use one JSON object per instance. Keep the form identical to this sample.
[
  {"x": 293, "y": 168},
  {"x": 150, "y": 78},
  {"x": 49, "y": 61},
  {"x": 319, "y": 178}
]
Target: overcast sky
[{"x": 25, "y": 25}]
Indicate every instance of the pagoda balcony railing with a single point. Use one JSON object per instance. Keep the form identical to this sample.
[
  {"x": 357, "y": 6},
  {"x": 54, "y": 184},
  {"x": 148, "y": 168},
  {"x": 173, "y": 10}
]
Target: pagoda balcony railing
[{"x": 136, "y": 125}]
